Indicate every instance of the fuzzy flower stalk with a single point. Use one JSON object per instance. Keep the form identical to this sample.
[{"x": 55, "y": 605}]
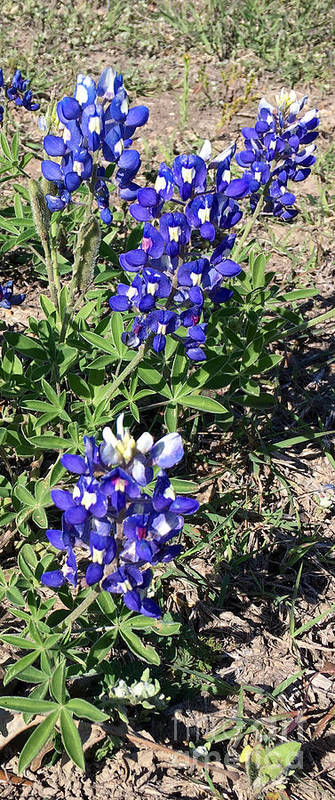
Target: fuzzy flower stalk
[{"x": 111, "y": 521}]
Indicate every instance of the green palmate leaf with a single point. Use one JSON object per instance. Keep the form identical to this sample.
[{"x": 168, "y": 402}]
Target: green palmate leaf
[
  {"x": 268, "y": 362},
  {"x": 106, "y": 603},
  {"x": 24, "y": 496},
  {"x": 40, "y": 518},
  {"x": 50, "y": 442},
  {"x": 171, "y": 418},
  {"x": 31, "y": 675},
  {"x": 252, "y": 352},
  {"x": 19, "y": 666},
  {"x": 203, "y": 403},
  {"x": 284, "y": 754},
  {"x": 14, "y": 595},
  {"x": 258, "y": 271},
  {"x": 18, "y": 641},
  {"x": 82, "y": 708},
  {"x": 79, "y": 387},
  {"x": 142, "y": 623},
  {"x": 71, "y": 739},
  {"x": 250, "y": 386},
  {"x": 151, "y": 377},
  {"x": 25, "y": 345},
  {"x": 179, "y": 368},
  {"x": 37, "y": 693},
  {"x": 47, "y": 305},
  {"x": 299, "y": 294},
  {"x": 107, "y": 346},
  {"x": 101, "y": 648},
  {"x": 117, "y": 331},
  {"x": 5, "y": 147},
  {"x": 23, "y": 704},
  {"x": 37, "y": 740},
  {"x": 143, "y": 651},
  {"x": 57, "y": 683},
  {"x": 213, "y": 368},
  {"x": 184, "y": 487},
  {"x": 50, "y": 393}
]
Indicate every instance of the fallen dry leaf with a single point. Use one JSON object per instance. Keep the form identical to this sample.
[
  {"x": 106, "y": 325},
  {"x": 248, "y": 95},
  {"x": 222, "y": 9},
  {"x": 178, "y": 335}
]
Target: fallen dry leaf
[
  {"x": 9, "y": 777},
  {"x": 322, "y": 725}
]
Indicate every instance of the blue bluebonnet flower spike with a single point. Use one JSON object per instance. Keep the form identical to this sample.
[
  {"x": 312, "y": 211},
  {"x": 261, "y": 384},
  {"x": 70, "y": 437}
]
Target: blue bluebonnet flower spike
[{"x": 113, "y": 522}]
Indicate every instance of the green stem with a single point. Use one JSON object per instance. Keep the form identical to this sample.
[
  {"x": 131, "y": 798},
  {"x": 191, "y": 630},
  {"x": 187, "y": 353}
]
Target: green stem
[
  {"x": 55, "y": 263},
  {"x": 311, "y": 322},
  {"x": 249, "y": 225},
  {"x": 83, "y": 606},
  {"x": 129, "y": 368},
  {"x": 72, "y": 288}
]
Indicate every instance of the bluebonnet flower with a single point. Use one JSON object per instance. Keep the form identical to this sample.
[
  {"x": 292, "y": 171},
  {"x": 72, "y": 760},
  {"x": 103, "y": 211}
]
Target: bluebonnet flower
[
  {"x": 167, "y": 294},
  {"x": 277, "y": 149},
  {"x": 109, "y": 517},
  {"x": 7, "y": 298},
  {"x": 95, "y": 124},
  {"x": 18, "y": 92}
]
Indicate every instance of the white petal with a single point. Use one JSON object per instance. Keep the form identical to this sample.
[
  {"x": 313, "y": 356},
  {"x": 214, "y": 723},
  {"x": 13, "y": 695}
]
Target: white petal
[
  {"x": 144, "y": 443},
  {"x": 206, "y": 150},
  {"x": 119, "y": 426}
]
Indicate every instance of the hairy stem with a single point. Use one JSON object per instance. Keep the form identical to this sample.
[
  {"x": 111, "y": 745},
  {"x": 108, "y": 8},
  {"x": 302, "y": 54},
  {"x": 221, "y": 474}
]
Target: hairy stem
[
  {"x": 129, "y": 368},
  {"x": 249, "y": 226},
  {"x": 83, "y": 606}
]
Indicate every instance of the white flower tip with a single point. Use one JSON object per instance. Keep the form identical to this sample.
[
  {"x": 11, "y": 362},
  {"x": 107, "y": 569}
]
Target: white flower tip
[
  {"x": 144, "y": 443},
  {"x": 206, "y": 150}
]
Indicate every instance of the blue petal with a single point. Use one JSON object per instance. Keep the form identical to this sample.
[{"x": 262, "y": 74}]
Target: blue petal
[
  {"x": 184, "y": 505},
  {"x": 54, "y": 578},
  {"x": 129, "y": 159},
  {"x": 76, "y": 515},
  {"x": 132, "y": 600},
  {"x": 168, "y": 451},
  {"x": 56, "y": 539},
  {"x": 51, "y": 171},
  {"x": 54, "y": 203},
  {"x": 54, "y": 145},
  {"x": 62, "y": 499},
  {"x": 71, "y": 108},
  {"x": 140, "y": 213},
  {"x": 94, "y": 573},
  {"x": 74, "y": 464},
  {"x": 150, "y": 608},
  {"x": 137, "y": 116}
]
